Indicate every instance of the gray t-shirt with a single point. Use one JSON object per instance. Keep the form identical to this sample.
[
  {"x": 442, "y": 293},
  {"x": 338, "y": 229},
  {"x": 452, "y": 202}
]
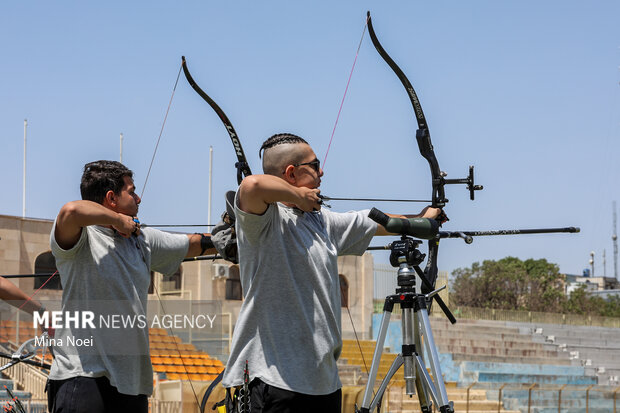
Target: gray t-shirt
[
  {"x": 289, "y": 325},
  {"x": 106, "y": 273}
]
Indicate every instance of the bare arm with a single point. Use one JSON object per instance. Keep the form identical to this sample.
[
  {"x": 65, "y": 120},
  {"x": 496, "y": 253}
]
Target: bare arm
[
  {"x": 427, "y": 212},
  {"x": 16, "y": 297},
  {"x": 76, "y": 215},
  {"x": 195, "y": 246},
  {"x": 256, "y": 192}
]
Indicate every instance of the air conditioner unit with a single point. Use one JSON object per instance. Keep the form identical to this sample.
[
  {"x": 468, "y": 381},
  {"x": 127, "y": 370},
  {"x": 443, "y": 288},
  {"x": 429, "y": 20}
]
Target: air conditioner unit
[{"x": 220, "y": 271}]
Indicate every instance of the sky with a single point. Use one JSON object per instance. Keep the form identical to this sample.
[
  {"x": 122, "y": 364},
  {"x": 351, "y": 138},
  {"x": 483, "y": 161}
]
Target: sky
[{"x": 526, "y": 91}]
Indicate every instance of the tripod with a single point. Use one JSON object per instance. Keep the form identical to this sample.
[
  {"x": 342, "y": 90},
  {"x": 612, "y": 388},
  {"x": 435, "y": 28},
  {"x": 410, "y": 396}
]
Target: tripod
[{"x": 416, "y": 328}]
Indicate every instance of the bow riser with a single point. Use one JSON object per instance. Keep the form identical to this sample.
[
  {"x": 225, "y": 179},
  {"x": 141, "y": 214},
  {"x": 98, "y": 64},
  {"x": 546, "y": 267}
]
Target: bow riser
[{"x": 426, "y": 150}]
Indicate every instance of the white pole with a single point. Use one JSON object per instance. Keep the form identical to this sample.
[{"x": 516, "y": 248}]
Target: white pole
[
  {"x": 614, "y": 238},
  {"x": 210, "y": 182},
  {"x": 24, "y": 172},
  {"x": 121, "y": 157}
]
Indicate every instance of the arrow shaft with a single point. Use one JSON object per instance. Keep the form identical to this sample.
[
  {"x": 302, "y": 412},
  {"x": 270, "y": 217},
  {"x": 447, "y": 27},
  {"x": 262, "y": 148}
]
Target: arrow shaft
[{"x": 329, "y": 198}]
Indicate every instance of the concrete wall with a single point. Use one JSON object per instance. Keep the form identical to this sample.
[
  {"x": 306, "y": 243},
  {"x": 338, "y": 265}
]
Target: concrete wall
[{"x": 21, "y": 241}]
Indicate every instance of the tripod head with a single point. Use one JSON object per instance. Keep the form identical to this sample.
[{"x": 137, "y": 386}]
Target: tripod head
[
  {"x": 406, "y": 251},
  {"x": 404, "y": 255}
]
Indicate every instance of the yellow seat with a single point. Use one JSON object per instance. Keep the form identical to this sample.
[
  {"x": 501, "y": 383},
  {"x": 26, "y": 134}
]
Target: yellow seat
[{"x": 159, "y": 369}]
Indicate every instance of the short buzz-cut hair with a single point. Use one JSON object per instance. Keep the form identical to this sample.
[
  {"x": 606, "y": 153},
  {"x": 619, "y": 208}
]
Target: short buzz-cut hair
[
  {"x": 274, "y": 163},
  {"x": 99, "y": 177}
]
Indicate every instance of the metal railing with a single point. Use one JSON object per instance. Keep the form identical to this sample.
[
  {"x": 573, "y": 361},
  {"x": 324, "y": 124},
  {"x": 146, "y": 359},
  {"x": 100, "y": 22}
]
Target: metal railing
[
  {"x": 473, "y": 313},
  {"x": 515, "y": 397},
  {"x": 31, "y": 405},
  {"x": 155, "y": 406},
  {"x": 534, "y": 317},
  {"x": 160, "y": 406}
]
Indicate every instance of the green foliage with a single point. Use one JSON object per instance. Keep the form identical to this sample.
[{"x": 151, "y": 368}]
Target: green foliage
[{"x": 530, "y": 285}]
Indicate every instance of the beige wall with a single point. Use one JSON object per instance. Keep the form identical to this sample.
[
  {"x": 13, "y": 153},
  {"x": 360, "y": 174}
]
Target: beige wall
[
  {"x": 198, "y": 277},
  {"x": 22, "y": 240}
]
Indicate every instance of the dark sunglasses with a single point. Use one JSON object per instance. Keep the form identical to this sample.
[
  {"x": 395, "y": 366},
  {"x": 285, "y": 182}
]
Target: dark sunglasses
[{"x": 316, "y": 164}]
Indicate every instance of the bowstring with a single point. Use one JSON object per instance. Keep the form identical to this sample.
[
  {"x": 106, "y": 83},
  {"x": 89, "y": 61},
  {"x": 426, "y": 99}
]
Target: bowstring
[
  {"x": 161, "y": 132},
  {"x": 161, "y": 304},
  {"x": 37, "y": 290},
  {"x": 359, "y": 46},
  {"x": 345, "y": 91},
  {"x": 176, "y": 345}
]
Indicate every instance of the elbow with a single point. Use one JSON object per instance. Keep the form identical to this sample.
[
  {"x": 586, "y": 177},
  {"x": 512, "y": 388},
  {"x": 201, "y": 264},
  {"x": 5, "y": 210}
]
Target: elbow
[
  {"x": 250, "y": 184},
  {"x": 250, "y": 187},
  {"x": 68, "y": 210}
]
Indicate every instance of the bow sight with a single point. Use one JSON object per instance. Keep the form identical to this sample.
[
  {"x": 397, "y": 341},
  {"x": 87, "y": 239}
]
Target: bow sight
[{"x": 469, "y": 181}]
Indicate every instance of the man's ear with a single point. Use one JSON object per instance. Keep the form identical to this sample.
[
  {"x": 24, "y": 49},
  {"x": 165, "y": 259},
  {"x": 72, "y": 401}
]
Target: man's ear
[
  {"x": 289, "y": 174},
  {"x": 110, "y": 199}
]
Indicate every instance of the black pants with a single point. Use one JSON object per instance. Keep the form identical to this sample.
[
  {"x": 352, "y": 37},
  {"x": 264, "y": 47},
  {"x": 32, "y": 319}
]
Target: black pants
[
  {"x": 91, "y": 395},
  {"x": 268, "y": 399}
]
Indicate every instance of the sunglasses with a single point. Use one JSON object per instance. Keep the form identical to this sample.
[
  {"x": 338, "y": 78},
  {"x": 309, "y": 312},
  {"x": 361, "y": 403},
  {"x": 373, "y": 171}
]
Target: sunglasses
[{"x": 316, "y": 164}]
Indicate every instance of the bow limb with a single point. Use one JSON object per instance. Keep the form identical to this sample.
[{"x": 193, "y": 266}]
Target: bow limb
[
  {"x": 423, "y": 135},
  {"x": 425, "y": 146},
  {"x": 243, "y": 168}
]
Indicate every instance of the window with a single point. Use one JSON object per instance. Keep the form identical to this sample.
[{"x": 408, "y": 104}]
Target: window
[
  {"x": 46, "y": 264},
  {"x": 172, "y": 282},
  {"x": 233, "y": 284}
]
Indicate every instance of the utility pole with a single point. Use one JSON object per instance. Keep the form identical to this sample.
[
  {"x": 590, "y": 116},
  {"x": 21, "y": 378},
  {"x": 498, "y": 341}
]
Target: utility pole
[
  {"x": 614, "y": 238},
  {"x": 24, "y": 172},
  {"x": 210, "y": 183},
  {"x": 591, "y": 263}
]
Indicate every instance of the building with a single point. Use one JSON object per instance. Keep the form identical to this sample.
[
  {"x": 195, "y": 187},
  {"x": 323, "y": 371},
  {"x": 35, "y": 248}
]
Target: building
[
  {"x": 593, "y": 284},
  {"x": 24, "y": 249}
]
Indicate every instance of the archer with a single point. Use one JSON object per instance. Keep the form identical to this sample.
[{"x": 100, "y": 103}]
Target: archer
[
  {"x": 103, "y": 255},
  {"x": 289, "y": 324}
]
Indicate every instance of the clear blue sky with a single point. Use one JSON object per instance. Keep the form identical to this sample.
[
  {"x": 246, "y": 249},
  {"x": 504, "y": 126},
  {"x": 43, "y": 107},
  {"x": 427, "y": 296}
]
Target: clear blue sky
[{"x": 526, "y": 91}]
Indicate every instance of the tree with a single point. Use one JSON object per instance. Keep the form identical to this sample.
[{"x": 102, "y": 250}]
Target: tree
[
  {"x": 510, "y": 284},
  {"x": 530, "y": 285}
]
